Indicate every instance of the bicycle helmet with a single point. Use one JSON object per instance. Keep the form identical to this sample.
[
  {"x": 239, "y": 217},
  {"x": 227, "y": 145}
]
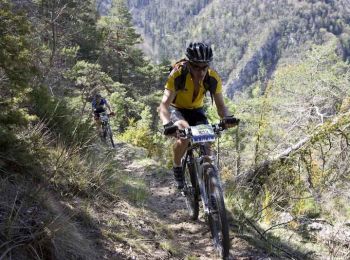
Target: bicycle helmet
[{"x": 199, "y": 52}]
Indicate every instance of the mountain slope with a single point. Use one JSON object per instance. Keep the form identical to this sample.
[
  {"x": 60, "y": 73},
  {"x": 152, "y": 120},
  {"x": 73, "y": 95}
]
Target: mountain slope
[{"x": 248, "y": 36}]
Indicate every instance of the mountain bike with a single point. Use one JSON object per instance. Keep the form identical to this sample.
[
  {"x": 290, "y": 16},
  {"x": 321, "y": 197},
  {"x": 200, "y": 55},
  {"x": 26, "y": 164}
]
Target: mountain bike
[
  {"x": 107, "y": 134},
  {"x": 202, "y": 182}
]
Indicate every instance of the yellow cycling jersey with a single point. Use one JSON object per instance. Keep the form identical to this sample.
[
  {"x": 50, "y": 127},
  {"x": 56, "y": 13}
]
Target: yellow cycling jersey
[{"x": 184, "y": 97}]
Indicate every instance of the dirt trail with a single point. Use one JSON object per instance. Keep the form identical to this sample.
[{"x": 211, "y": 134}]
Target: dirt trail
[
  {"x": 162, "y": 221},
  {"x": 192, "y": 236}
]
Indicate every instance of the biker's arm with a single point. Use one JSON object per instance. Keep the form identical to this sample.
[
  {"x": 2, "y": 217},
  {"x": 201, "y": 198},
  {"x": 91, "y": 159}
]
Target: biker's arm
[
  {"x": 164, "y": 113},
  {"x": 222, "y": 109},
  {"x": 109, "y": 107}
]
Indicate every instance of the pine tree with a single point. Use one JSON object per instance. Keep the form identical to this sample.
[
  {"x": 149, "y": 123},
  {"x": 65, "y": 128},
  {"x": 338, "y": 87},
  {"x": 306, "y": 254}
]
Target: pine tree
[
  {"x": 119, "y": 56},
  {"x": 16, "y": 70}
]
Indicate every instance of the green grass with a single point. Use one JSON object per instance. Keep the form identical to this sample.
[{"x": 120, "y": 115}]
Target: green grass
[
  {"x": 170, "y": 247},
  {"x": 191, "y": 258}
]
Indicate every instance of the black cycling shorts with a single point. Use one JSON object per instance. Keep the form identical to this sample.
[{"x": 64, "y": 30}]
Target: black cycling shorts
[
  {"x": 98, "y": 111},
  {"x": 192, "y": 116}
]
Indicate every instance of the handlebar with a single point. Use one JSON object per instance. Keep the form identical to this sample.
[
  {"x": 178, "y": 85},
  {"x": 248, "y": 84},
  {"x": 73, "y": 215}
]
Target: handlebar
[
  {"x": 217, "y": 128},
  {"x": 186, "y": 133},
  {"x": 105, "y": 113}
]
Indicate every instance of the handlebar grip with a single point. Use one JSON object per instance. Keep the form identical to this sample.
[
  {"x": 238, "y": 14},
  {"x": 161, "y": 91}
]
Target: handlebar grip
[
  {"x": 231, "y": 120},
  {"x": 228, "y": 120},
  {"x": 170, "y": 130}
]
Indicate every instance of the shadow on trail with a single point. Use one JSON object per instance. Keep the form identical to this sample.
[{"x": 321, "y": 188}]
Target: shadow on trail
[{"x": 93, "y": 227}]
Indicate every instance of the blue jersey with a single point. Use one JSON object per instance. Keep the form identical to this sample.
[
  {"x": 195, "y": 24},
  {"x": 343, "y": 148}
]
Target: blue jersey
[{"x": 99, "y": 105}]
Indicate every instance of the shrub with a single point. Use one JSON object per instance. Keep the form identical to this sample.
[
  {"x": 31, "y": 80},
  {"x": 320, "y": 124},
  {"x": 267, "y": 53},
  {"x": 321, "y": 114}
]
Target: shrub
[
  {"x": 139, "y": 133},
  {"x": 60, "y": 119}
]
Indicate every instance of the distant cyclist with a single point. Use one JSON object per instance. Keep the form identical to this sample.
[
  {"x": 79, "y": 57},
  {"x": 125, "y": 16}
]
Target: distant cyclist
[
  {"x": 99, "y": 105},
  {"x": 182, "y": 102}
]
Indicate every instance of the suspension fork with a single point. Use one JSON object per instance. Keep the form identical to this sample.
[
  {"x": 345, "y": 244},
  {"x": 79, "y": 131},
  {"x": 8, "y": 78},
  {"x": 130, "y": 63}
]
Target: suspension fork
[
  {"x": 198, "y": 164},
  {"x": 188, "y": 158},
  {"x": 209, "y": 160}
]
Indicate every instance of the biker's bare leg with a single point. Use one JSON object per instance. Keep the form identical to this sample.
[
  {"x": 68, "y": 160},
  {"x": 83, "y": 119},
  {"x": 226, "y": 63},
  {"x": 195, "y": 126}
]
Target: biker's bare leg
[
  {"x": 179, "y": 150},
  {"x": 180, "y": 145}
]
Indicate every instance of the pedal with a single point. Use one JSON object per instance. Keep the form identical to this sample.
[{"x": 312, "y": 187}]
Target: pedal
[{"x": 184, "y": 191}]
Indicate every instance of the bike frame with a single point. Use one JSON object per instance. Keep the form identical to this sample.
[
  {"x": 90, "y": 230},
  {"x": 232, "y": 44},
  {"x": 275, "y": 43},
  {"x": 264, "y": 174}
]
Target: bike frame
[
  {"x": 106, "y": 128},
  {"x": 198, "y": 161},
  {"x": 103, "y": 114}
]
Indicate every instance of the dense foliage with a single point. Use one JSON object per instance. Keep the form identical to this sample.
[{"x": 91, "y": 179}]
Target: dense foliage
[{"x": 286, "y": 64}]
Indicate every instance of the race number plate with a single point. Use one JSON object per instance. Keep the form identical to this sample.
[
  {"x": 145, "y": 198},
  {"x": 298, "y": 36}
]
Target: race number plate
[{"x": 202, "y": 134}]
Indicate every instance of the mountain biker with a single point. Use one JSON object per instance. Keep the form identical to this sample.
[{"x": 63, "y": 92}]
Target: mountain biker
[
  {"x": 99, "y": 105},
  {"x": 182, "y": 102}
]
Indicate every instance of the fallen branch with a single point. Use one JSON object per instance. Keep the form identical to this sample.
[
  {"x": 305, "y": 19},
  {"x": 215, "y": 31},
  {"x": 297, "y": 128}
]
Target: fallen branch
[{"x": 262, "y": 169}]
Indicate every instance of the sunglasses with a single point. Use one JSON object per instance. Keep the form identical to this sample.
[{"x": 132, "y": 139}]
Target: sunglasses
[{"x": 198, "y": 67}]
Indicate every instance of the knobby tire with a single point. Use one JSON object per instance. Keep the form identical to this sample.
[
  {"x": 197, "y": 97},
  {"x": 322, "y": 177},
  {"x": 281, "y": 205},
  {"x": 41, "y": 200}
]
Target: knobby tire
[
  {"x": 217, "y": 214},
  {"x": 104, "y": 133},
  {"x": 191, "y": 190},
  {"x": 110, "y": 134}
]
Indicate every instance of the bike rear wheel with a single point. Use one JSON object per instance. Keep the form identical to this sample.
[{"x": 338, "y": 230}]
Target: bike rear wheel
[
  {"x": 191, "y": 190},
  {"x": 217, "y": 212}
]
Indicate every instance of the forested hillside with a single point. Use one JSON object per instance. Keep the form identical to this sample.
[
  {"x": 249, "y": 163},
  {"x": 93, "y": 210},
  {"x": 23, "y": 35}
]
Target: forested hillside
[
  {"x": 64, "y": 194},
  {"x": 249, "y": 37}
]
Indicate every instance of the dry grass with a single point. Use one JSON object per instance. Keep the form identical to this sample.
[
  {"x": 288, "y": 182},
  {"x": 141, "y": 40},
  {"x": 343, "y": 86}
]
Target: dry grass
[
  {"x": 35, "y": 176},
  {"x": 37, "y": 227}
]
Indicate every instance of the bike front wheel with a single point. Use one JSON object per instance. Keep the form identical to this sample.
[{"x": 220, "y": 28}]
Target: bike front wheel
[
  {"x": 110, "y": 136},
  {"x": 217, "y": 212},
  {"x": 191, "y": 190},
  {"x": 103, "y": 133}
]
